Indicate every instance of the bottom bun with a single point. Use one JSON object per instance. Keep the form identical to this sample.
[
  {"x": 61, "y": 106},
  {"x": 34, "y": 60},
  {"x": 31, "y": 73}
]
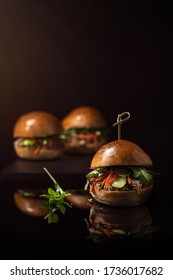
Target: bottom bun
[
  {"x": 44, "y": 154},
  {"x": 122, "y": 198}
]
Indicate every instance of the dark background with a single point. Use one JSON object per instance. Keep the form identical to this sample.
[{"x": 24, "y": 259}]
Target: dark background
[{"x": 116, "y": 55}]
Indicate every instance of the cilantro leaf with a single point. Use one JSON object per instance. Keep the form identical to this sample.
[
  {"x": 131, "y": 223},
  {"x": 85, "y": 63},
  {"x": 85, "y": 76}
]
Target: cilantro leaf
[{"x": 144, "y": 175}]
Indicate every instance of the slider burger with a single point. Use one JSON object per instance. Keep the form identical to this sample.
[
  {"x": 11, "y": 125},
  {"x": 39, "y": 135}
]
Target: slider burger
[
  {"x": 36, "y": 136},
  {"x": 121, "y": 172},
  {"x": 120, "y": 222},
  {"x": 85, "y": 130}
]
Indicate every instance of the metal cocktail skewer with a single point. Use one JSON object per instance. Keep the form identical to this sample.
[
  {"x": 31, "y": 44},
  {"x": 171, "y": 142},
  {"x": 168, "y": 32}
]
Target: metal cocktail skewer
[{"x": 120, "y": 119}]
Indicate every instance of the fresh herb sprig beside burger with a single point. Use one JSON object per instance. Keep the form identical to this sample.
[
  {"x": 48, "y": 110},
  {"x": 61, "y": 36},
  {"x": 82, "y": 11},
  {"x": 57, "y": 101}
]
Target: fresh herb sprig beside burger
[{"x": 56, "y": 200}]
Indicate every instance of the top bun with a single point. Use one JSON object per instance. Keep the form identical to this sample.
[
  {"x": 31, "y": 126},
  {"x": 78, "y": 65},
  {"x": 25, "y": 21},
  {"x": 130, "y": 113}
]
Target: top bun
[
  {"x": 84, "y": 116},
  {"x": 120, "y": 152},
  {"x": 37, "y": 124}
]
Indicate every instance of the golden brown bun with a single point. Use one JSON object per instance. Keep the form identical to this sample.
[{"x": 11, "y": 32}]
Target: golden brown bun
[
  {"x": 120, "y": 216},
  {"x": 37, "y": 124},
  {"x": 120, "y": 152},
  {"x": 84, "y": 116},
  {"x": 122, "y": 198},
  {"x": 29, "y": 205},
  {"x": 44, "y": 154}
]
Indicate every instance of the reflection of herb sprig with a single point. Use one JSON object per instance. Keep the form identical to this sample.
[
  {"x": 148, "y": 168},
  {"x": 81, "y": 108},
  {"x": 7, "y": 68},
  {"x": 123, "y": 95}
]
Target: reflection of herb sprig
[{"x": 56, "y": 200}]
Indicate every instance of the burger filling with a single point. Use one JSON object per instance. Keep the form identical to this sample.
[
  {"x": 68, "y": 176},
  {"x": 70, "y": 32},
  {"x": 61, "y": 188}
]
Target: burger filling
[
  {"x": 119, "y": 179},
  {"x": 39, "y": 143},
  {"x": 84, "y": 137},
  {"x": 106, "y": 229},
  {"x": 101, "y": 230}
]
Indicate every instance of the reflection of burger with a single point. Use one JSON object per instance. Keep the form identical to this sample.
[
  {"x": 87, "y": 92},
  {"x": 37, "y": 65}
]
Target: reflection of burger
[
  {"x": 30, "y": 203},
  {"x": 120, "y": 174},
  {"x": 85, "y": 130},
  {"x": 78, "y": 198},
  {"x": 37, "y": 136},
  {"x": 120, "y": 222}
]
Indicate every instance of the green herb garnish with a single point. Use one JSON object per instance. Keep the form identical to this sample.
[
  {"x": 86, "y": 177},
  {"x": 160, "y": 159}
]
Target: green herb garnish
[
  {"x": 56, "y": 200},
  {"x": 144, "y": 175}
]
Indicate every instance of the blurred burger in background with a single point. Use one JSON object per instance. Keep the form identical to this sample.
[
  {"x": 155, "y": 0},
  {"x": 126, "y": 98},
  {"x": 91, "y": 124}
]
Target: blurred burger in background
[
  {"x": 106, "y": 222},
  {"x": 85, "y": 130},
  {"x": 36, "y": 136}
]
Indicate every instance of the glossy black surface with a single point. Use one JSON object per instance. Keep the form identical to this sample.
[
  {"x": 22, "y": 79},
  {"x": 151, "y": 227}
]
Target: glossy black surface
[
  {"x": 27, "y": 237},
  {"x": 66, "y": 164}
]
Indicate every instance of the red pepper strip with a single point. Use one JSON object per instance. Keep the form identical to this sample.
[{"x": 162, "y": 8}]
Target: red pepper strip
[
  {"x": 91, "y": 188},
  {"x": 107, "y": 231},
  {"x": 38, "y": 149},
  {"x": 106, "y": 184},
  {"x": 95, "y": 230},
  {"x": 110, "y": 179},
  {"x": 113, "y": 179},
  {"x": 93, "y": 180},
  {"x": 88, "y": 137},
  {"x": 128, "y": 180}
]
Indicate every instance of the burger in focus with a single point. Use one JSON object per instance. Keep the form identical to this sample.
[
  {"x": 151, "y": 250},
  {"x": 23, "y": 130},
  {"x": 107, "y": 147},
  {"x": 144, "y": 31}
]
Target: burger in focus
[
  {"x": 85, "y": 130},
  {"x": 120, "y": 174},
  {"x": 36, "y": 136}
]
